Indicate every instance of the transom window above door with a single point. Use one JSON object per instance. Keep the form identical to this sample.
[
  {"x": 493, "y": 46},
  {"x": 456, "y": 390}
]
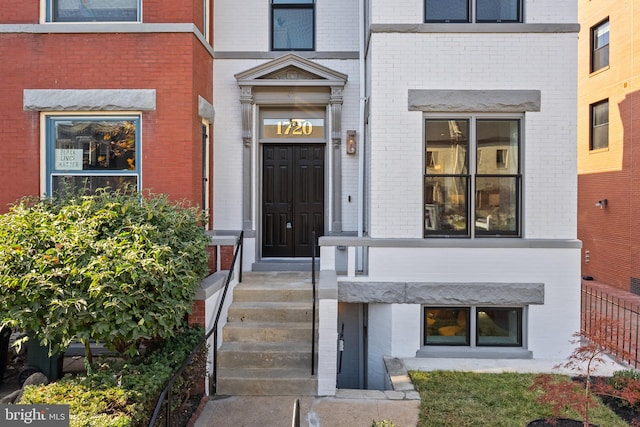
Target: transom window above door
[
  {"x": 473, "y": 11},
  {"x": 93, "y": 10},
  {"x": 292, "y": 25}
]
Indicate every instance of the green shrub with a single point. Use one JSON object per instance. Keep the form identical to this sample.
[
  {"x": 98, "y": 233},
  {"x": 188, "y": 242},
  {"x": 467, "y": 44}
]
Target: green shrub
[
  {"x": 383, "y": 423},
  {"x": 116, "y": 268},
  {"x": 118, "y": 393},
  {"x": 626, "y": 383}
]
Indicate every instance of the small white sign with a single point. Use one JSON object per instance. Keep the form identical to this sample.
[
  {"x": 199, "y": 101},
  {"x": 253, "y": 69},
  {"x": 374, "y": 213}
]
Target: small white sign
[{"x": 68, "y": 159}]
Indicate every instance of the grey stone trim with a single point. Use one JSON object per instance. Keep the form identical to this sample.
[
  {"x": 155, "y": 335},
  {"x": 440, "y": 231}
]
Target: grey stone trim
[
  {"x": 273, "y": 55},
  {"x": 206, "y": 110},
  {"x": 441, "y": 293},
  {"x": 106, "y": 27},
  {"x": 89, "y": 99},
  {"x": 489, "y": 243},
  {"x": 210, "y": 285},
  {"x": 494, "y": 101},
  {"x": 475, "y": 352},
  {"x": 474, "y": 28},
  {"x": 328, "y": 285}
]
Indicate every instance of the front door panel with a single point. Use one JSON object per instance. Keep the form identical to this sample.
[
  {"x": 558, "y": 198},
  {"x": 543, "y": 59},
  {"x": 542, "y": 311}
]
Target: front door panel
[{"x": 293, "y": 199}]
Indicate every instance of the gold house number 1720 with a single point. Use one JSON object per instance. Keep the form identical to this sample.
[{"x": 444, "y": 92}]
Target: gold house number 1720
[{"x": 295, "y": 127}]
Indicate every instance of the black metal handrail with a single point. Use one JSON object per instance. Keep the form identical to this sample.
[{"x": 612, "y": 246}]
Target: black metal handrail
[
  {"x": 165, "y": 395},
  {"x": 313, "y": 299}
]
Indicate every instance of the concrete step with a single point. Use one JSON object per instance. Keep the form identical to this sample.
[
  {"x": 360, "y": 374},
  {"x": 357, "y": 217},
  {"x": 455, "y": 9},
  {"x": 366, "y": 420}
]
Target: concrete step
[
  {"x": 253, "y": 293},
  {"x": 267, "y": 332},
  {"x": 240, "y": 355},
  {"x": 264, "y": 382},
  {"x": 271, "y": 312},
  {"x": 267, "y": 265}
]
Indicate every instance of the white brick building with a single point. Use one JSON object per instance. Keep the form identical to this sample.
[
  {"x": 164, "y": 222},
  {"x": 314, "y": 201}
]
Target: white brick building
[{"x": 452, "y": 227}]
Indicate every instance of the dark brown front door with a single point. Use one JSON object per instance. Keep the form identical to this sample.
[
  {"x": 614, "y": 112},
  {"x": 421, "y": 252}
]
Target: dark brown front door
[{"x": 292, "y": 199}]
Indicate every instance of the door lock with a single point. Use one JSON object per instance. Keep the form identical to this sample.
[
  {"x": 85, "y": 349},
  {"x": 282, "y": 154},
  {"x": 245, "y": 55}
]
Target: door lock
[{"x": 289, "y": 225}]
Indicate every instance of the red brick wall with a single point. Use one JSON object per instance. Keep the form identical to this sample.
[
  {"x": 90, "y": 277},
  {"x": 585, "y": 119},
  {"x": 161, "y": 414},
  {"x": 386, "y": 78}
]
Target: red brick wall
[
  {"x": 612, "y": 234},
  {"x": 19, "y": 12},
  {"x": 154, "y": 11},
  {"x": 171, "y": 137}
]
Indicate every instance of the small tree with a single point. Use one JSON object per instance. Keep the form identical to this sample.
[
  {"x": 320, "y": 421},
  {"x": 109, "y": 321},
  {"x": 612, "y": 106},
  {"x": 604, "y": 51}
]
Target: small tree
[
  {"x": 116, "y": 268},
  {"x": 590, "y": 353}
]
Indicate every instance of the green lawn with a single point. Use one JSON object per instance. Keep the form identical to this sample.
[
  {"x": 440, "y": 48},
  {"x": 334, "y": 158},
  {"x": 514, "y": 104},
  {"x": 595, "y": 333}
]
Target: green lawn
[{"x": 460, "y": 399}]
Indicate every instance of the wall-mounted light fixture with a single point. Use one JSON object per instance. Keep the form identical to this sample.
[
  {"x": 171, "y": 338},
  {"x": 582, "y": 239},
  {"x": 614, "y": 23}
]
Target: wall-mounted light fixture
[
  {"x": 602, "y": 203},
  {"x": 351, "y": 142}
]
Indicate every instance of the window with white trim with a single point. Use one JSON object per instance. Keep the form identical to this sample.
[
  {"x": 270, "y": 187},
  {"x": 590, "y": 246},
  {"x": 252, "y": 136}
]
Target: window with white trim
[
  {"x": 474, "y": 326},
  {"x": 472, "y": 155},
  {"x": 473, "y": 11},
  {"x": 292, "y": 24},
  {"x": 93, "y": 10},
  {"x": 87, "y": 153}
]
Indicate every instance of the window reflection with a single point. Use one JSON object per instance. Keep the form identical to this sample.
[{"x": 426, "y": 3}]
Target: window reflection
[{"x": 446, "y": 326}]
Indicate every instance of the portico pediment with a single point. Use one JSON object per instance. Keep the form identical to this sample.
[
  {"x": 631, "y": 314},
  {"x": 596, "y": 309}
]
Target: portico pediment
[{"x": 291, "y": 70}]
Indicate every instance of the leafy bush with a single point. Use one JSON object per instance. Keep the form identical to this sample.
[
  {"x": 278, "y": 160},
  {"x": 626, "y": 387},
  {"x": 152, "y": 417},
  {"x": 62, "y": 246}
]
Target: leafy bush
[
  {"x": 383, "y": 423},
  {"x": 121, "y": 394},
  {"x": 626, "y": 384},
  {"x": 117, "y": 268}
]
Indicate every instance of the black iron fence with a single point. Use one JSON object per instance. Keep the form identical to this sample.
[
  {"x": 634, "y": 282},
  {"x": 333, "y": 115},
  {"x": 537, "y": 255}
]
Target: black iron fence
[
  {"x": 623, "y": 316},
  {"x": 164, "y": 402}
]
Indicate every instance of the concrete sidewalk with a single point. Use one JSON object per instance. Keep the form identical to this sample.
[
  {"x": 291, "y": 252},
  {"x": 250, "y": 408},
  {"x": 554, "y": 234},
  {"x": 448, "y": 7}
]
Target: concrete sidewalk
[
  {"x": 349, "y": 408},
  {"x": 359, "y": 408}
]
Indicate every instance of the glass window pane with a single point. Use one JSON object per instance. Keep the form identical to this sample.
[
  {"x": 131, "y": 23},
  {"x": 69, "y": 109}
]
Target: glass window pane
[
  {"x": 600, "y": 125},
  {"x": 90, "y": 184},
  {"x": 292, "y": 1},
  {"x": 498, "y": 146},
  {"x": 95, "y": 10},
  {"x": 600, "y": 51},
  {"x": 446, "y": 326},
  {"x": 497, "y": 10},
  {"x": 496, "y": 205},
  {"x": 445, "y": 208},
  {"x": 601, "y": 35},
  {"x": 293, "y": 28},
  {"x": 499, "y": 327},
  {"x": 88, "y": 145},
  {"x": 447, "y": 11},
  {"x": 448, "y": 142}
]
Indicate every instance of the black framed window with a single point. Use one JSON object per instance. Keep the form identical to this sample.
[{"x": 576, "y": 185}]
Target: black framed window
[
  {"x": 494, "y": 178},
  {"x": 599, "y": 125},
  {"x": 498, "y": 327},
  {"x": 292, "y": 25},
  {"x": 600, "y": 46},
  {"x": 461, "y": 11},
  {"x": 447, "y": 326},
  {"x": 93, "y": 10},
  {"x": 473, "y": 326}
]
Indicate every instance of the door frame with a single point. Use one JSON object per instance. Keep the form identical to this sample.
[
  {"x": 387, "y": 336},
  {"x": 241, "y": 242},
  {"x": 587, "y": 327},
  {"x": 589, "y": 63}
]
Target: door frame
[{"x": 289, "y": 81}]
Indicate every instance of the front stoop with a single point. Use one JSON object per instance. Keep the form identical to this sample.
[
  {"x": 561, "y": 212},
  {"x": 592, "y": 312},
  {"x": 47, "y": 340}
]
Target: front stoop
[{"x": 266, "y": 348}]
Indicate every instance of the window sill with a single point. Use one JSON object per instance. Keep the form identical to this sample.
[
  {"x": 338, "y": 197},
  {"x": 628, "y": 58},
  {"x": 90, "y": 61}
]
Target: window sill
[
  {"x": 475, "y": 352},
  {"x": 599, "y": 71}
]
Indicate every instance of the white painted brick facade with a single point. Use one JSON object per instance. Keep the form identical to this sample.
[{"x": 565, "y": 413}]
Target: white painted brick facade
[
  {"x": 401, "y": 62},
  {"x": 396, "y": 63}
]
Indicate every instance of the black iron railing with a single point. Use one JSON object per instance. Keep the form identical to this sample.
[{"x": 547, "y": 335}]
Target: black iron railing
[
  {"x": 313, "y": 300},
  {"x": 623, "y": 328},
  {"x": 165, "y": 396}
]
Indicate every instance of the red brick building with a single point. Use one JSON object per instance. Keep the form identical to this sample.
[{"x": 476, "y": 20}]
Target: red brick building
[
  {"x": 98, "y": 94},
  {"x": 608, "y": 161}
]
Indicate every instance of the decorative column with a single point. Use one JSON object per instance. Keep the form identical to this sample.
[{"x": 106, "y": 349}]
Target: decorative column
[
  {"x": 336, "y": 144},
  {"x": 246, "y": 104}
]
